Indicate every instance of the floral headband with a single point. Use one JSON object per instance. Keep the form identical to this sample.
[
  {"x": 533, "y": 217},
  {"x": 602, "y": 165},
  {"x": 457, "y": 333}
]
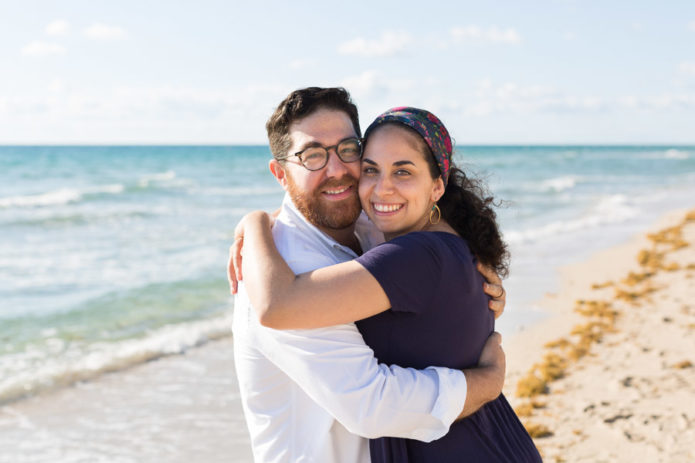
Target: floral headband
[{"x": 430, "y": 129}]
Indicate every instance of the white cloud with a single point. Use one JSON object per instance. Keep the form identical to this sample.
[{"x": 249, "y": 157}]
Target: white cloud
[
  {"x": 680, "y": 101},
  {"x": 629, "y": 102},
  {"x": 389, "y": 44},
  {"x": 100, "y": 31},
  {"x": 166, "y": 113},
  {"x": 691, "y": 25},
  {"x": 687, "y": 68},
  {"x": 39, "y": 48},
  {"x": 519, "y": 99},
  {"x": 298, "y": 64},
  {"x": 365, "y": 83},
  {"x": 569, "y": 36},
  {"x": 669, "y": 101},
  {"x": 373, "y": 83},
  {"x": 480, "y": 34},
  {"x": 57, "y": 27}
]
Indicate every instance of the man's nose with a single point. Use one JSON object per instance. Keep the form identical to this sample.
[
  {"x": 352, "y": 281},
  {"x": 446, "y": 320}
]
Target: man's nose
[{"x": 335, "y": 167}]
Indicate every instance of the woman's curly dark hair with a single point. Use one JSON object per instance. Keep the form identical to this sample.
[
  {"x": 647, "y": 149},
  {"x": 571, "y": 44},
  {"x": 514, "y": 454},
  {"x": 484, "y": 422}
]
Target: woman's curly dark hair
[{"x": 468, "y": 207}]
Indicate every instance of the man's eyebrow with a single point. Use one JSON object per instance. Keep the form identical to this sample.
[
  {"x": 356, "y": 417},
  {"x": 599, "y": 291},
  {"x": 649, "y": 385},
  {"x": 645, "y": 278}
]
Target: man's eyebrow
[
  {"x": 312, "y": 144},
  {"x": 309, "y": 144}
]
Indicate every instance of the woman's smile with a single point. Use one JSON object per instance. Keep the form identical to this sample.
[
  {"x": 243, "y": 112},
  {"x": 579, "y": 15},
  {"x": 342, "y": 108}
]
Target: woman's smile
[{"x": 386, "y": 208}]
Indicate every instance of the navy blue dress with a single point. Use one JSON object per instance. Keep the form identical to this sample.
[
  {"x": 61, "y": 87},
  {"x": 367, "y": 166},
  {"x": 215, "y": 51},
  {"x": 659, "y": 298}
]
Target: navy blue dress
[{"x": 439, "y": 316}]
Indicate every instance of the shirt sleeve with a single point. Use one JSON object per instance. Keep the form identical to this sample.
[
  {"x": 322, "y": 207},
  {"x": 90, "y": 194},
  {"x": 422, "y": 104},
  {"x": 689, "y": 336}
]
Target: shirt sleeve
[
  {"x": 408, "y": 268},
  {"x": 336, "y": 368},
  {"x": 338, "y": 371}
]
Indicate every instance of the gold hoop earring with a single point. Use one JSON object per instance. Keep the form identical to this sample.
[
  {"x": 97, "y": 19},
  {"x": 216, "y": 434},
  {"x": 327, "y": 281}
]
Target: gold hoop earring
[{"x": 435, "y": 212}]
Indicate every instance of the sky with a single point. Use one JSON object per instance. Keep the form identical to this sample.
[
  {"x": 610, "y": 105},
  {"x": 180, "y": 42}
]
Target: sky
[{"x": 212, "y": 72}]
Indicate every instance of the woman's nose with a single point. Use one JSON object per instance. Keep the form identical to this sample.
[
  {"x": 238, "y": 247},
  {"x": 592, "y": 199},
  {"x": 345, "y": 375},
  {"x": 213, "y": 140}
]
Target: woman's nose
[{"x": 383, "y": 185}]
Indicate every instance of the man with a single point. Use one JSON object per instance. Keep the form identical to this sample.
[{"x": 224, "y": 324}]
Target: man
[{"x": 309, "y": 394}]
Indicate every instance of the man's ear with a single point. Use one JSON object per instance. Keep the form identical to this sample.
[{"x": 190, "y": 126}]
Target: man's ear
[{"x": 278, "y": 172}]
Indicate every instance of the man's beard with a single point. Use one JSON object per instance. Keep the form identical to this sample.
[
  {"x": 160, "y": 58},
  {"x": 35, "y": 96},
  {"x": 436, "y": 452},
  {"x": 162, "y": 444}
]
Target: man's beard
[{"x": 333, "y": 215}]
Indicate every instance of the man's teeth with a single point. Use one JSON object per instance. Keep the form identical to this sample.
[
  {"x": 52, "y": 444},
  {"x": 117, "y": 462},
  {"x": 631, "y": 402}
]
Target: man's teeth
[
  {"x": 387, "y": 207},
  {"x": 338, "y": 191}
]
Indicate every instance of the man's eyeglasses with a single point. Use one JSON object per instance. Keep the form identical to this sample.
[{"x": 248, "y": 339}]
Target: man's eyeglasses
[{"x": 316, "y": 157}]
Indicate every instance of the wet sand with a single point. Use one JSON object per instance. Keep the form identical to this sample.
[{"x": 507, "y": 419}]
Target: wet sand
[{"x": 181, "y": 408}]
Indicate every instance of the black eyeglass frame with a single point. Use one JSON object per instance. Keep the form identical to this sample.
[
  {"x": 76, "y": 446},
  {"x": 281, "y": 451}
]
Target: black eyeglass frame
[{"x": 360, "y": 146}]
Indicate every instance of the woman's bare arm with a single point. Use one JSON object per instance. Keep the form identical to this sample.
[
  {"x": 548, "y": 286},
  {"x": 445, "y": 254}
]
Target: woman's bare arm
[{"x": 328, "y": 296}]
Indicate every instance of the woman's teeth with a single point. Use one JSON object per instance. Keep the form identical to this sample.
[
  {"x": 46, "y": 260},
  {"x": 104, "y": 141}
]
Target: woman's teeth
[{"x": 387, "y": 207}]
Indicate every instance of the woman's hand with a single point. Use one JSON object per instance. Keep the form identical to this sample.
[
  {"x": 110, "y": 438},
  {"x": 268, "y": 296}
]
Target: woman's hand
[
  {"x": 234, "y": 274},
  {"x": 493, "y": 288}
]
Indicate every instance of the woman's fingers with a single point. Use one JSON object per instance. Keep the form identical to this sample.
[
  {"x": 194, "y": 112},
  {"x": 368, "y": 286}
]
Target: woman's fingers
[
  {"x": 237, "y": 248},
  {"x": 494, "y": 291},
  {"x": 497, "y": 307},
  {"x": 234, "y": 265},
  {"x": 493, "y": 288},
  {"x": 489, "y": 274},
  {"x": 231, "y": 275}
]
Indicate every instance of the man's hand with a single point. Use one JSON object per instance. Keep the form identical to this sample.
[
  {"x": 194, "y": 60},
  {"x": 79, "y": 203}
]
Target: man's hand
[
  {"x": 493, "y": 288},
  {"x": 485, "y": 382},
  {"x": 493, "y": 357},
  {"x": 234, "y": 275}
]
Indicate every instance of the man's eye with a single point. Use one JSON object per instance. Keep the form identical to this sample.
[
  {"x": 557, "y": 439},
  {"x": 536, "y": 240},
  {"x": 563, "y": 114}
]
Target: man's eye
[{"x": 313, "y": 154}]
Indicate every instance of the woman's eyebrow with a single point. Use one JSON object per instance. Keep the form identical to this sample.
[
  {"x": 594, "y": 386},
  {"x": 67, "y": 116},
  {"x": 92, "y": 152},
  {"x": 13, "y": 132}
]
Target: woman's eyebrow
[{"x": 397, "y": 163}]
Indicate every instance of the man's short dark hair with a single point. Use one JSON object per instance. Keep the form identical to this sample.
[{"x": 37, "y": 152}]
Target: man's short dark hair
[{"x": 302, "y": 103}]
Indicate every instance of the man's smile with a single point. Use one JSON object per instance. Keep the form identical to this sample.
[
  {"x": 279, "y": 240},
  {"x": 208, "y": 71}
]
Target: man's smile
[{"x": 339, "y": 193}]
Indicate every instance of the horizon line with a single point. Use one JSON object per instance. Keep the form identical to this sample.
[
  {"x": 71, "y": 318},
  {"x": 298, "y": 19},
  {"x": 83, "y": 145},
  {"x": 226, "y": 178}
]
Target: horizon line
[{"x": 515, "y": 144}]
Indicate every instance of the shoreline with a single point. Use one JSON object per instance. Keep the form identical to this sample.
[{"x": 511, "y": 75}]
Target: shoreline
[
  {"x": 186, "y": 406},
  {"x": 177, "y": 408},
  {"x": 609, "y": 375}
]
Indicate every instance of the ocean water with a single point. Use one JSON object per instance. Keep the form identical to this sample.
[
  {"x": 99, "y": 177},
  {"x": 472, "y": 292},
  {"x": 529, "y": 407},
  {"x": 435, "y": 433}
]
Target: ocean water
[{"x": 112, "y": 256}]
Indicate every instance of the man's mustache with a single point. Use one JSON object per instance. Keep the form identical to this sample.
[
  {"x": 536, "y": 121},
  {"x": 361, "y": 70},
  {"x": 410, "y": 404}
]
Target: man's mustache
[{"x": 345, "y": 180}]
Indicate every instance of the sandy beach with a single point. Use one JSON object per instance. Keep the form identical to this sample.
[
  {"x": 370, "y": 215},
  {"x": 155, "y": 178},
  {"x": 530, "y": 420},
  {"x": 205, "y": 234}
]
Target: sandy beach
[
  {"x": 609, "y": 376},
  {"x": 621, "y": 388}
]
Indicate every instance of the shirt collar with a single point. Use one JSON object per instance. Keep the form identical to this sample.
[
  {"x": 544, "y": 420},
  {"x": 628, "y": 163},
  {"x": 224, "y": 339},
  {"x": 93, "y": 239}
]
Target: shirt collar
[{"x": 366, "y": 233}]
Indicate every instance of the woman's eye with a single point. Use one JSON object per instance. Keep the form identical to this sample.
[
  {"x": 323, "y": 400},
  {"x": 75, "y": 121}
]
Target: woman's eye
[
  {"x": 368, "y": 170},
  {"x": 402, "y": 172}
]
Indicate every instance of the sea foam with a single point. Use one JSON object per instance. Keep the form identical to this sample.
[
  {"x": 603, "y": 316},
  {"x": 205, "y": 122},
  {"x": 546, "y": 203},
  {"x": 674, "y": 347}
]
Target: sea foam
[
  {"x": 58, "y": 197},
  {"x": 608, "y": 210},
  {"x": 147, "y": 180},
  {"x": 676, "y": 154},
  {"x": 105, "y": 357},
  {"x": 558, "y": 184}
]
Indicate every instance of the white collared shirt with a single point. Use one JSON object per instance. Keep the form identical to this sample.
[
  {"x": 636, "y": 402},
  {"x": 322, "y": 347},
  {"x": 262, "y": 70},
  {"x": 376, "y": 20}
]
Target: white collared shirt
[{"x": 308, "y": 395}]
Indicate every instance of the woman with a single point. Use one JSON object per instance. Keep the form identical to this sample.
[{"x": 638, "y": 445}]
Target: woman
[{"x": 417, "y": 298}]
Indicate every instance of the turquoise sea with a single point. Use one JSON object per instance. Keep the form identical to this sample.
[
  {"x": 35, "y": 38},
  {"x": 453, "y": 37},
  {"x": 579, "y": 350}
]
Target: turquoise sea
[{"x": 114, "y": 255}]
